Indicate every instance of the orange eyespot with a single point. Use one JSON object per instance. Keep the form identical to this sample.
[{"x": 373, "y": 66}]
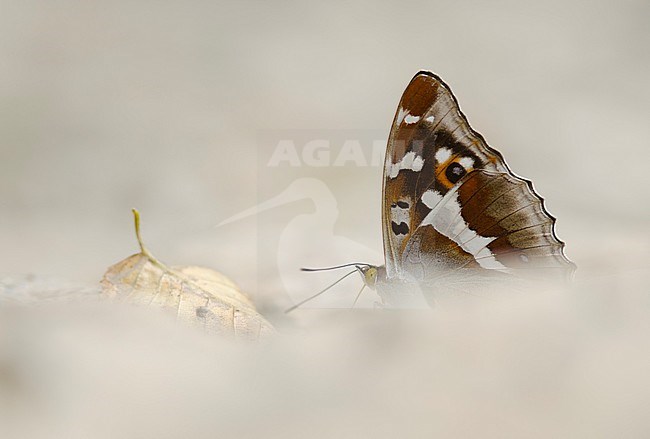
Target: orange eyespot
[
  {"x": 451, "y": 171},
  {"x": 454, "y": 172}
]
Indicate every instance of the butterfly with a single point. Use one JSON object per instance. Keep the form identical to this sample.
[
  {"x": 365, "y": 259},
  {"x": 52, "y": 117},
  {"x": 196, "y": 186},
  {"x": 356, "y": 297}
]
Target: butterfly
[
  {"x": 454, "y": 214},
  {"x": 451, "y": 204}
]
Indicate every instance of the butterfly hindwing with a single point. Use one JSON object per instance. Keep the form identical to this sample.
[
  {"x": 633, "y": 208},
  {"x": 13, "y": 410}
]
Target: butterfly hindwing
[
  {"x": 492, "y": 221},
  {"x": 450, "y": 200}
]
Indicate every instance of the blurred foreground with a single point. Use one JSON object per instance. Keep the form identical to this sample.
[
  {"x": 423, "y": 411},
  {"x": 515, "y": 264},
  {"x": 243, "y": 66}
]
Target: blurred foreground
[{"x": 564, "y": 364}]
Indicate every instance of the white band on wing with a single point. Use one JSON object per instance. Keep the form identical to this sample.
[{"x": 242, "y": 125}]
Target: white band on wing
[
  {"x": 446, "y": 217},
  {"x": 410, "y": 161}
]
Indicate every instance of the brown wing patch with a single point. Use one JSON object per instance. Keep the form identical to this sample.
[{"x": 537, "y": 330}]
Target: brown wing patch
[
  {"x": 429, "y": 253},
  {"x": 419, "y": 95},
  {"x": 506, "y": 208}
]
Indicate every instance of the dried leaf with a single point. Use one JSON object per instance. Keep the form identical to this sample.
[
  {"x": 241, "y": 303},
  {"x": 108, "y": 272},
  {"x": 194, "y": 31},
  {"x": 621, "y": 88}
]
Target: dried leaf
[{"x": 196, "y": 295}]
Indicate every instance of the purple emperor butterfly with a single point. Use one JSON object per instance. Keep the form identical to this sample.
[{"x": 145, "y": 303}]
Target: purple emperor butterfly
[
  {"x": 452, "y": 205},
  {"x": 452, "y": 209}
]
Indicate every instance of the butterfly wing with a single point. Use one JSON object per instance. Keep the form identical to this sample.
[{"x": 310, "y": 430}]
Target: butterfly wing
[{"x": 450, "y": 201}]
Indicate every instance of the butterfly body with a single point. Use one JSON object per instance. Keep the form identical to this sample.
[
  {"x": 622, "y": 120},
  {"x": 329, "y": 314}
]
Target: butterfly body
[{"x": 453, "y": 212}]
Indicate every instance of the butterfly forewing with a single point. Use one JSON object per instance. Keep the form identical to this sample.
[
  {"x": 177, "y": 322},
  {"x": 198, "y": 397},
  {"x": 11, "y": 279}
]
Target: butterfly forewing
[{"x": 450, "y": 201}]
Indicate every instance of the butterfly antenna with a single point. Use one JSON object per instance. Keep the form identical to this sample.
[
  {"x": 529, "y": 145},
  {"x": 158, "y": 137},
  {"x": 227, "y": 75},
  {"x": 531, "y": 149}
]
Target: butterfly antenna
[
  {"x": 358, "y": 295},
  {"x": 351, "y": 264},
  {"x": 319, "y": 293}
]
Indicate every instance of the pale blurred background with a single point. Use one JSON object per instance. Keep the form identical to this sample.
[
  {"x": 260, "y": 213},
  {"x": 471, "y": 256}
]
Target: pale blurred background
[{"x": 107, "y": 106}]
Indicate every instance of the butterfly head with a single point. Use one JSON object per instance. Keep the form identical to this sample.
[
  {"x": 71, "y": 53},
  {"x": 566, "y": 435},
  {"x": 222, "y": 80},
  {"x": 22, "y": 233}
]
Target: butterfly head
[{"x": 370, "y": 274}]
